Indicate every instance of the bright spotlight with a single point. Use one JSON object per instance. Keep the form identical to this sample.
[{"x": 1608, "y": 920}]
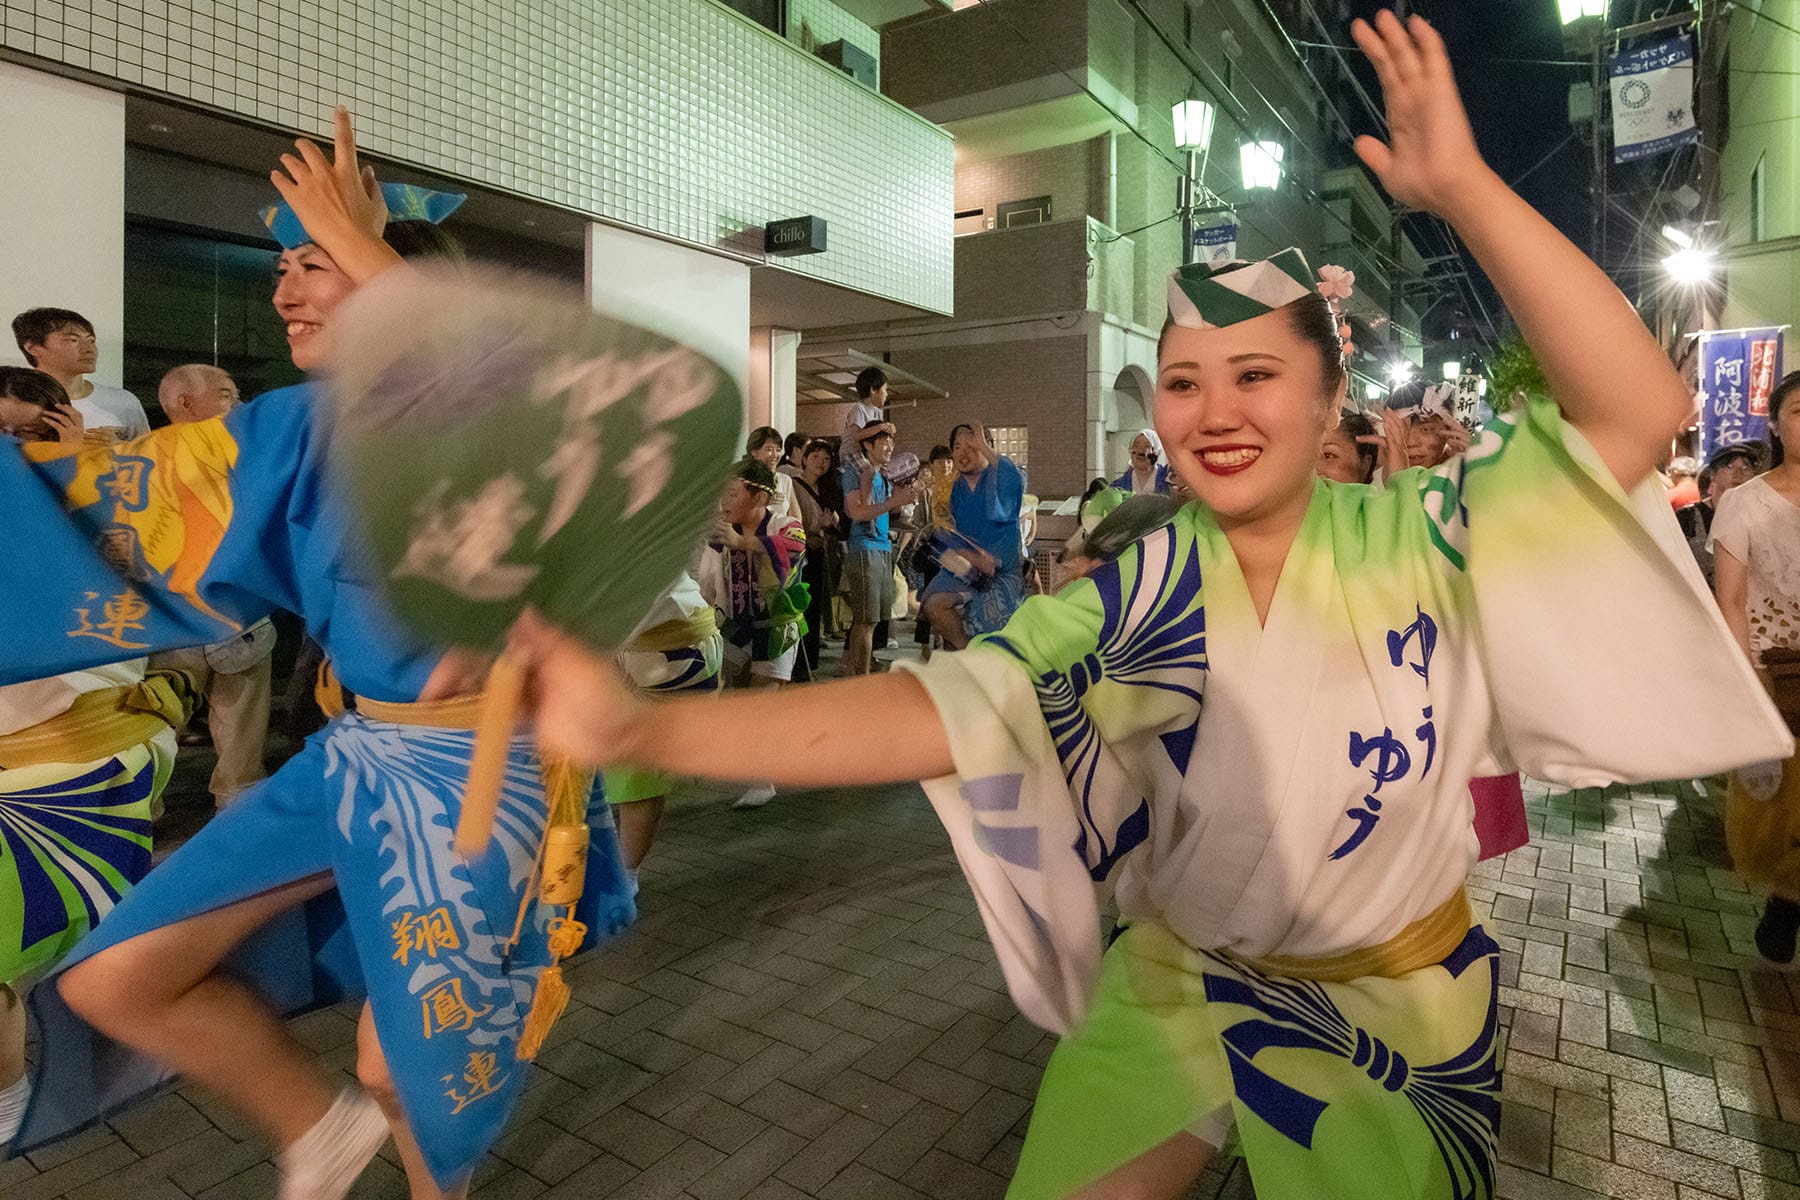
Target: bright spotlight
[{"x": 1690, "y": 267}]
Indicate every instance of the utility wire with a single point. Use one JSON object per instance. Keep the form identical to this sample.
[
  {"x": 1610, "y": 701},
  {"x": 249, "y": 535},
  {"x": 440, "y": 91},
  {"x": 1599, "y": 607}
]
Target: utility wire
[
  {"x": 1240, "y": 116},
  {"x": 1744, "y": 4},
  {"x": 1533, "y": 168},
  {"x": 1181, "y": 168}
]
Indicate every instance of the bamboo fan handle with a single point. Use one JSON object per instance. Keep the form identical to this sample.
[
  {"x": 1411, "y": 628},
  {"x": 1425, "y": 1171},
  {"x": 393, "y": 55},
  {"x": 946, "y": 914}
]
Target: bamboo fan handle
[{"x": 487, "y": 765}]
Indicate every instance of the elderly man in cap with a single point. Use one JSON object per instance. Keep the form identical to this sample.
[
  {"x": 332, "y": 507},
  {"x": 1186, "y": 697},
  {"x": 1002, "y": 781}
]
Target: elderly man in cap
[{"x": 234, "y": 674}]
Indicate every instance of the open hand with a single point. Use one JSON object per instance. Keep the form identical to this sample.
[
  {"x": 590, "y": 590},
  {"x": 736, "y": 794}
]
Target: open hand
[
  {"x": 1456, "y": 437},
  {"x": 336, "y": 199},
  {"x": 64, "y": 425},
  {"x": 1430, "y": 156},
  {"x": 1390, "y": 443}
]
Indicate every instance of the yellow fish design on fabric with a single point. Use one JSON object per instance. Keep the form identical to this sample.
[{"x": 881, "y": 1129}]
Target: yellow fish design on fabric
[{"x": 170, "y": 498}]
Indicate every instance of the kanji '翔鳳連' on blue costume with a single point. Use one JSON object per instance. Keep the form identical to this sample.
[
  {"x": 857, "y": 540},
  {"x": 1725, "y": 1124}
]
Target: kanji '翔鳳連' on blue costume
[{"x": 185, "y": 536}]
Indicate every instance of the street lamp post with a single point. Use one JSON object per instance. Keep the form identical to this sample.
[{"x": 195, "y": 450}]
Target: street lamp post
[{"x": 1193, "y": 135}]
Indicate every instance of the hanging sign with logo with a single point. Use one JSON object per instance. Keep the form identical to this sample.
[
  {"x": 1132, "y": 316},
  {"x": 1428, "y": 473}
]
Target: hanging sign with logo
[
  {"x": 1216, "y": 245},
  {"x": 1737, "y": 374},
  {"x": 1653, "y": 99}
]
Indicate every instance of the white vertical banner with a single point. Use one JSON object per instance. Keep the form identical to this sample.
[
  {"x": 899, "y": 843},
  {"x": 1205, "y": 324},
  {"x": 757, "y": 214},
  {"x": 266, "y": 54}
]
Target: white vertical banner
[
  {"x": 1653, "y": 99},
  {"x": 1216, "y": 245}
]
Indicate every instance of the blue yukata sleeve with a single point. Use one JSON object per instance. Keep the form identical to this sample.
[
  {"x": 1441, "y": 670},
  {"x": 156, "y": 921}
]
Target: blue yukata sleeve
[
  {"x": 175, "y": 538},
  {"x": 1004, "y": 490},
  {"x": 183, "y": 537},
  {"x": 1061, "y": 728}
]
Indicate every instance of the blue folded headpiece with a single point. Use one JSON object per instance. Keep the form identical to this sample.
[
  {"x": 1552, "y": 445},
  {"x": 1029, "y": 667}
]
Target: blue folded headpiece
[{"x": 405, "y": 202}]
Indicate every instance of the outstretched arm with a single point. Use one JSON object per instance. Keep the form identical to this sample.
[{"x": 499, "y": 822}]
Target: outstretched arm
[
  {"x": 582, "y": 709},
  {"x": 1606, "y": 371}
]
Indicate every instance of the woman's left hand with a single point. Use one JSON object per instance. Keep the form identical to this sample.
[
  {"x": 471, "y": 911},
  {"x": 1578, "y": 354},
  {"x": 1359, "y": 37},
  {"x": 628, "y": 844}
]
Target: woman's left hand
[
  {"x": 460, "y": 672},
  {"x": 1430, "y": 157},
  {"x": 1390, "y": 444},
  {"x": 66, "y": 424}
]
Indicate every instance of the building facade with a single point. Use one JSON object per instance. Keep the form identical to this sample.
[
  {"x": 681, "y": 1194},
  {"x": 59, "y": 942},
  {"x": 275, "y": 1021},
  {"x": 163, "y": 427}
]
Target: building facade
[
  {"x": 1758, "y": 142},
  {"x": 636, "y": 147},
  {"x": 1065, "y": 207}
]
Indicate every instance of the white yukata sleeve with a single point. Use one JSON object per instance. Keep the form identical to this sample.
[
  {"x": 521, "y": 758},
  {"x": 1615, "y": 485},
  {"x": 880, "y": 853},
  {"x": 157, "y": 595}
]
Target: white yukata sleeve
[
  {"x": 1583, "y": 596},
  {"x": 1062, "y": 726},
  {"x": 1013, "y": 827}
]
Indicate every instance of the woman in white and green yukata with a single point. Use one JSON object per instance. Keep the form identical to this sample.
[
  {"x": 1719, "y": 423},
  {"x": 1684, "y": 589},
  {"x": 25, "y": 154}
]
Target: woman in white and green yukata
[{"x": 1256, "y": 726}]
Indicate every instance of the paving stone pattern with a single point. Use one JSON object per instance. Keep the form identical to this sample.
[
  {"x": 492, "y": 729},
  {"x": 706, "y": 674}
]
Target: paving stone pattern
[{"x": 808, "y": 1008}]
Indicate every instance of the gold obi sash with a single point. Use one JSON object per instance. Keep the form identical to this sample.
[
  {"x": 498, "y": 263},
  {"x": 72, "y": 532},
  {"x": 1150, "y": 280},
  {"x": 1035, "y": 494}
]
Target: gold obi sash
[
  {"x": 458, "y": 712},
  {"x": 678, "y": 634},
  {"x": 103, "y": 723},
  {"x": 1424, "y": 943}
]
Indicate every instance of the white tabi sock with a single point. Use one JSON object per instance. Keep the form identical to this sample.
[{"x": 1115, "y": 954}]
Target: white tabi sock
[
  {"x": 328, "y": 1157},
  {"x": 12, "y": 1108}
]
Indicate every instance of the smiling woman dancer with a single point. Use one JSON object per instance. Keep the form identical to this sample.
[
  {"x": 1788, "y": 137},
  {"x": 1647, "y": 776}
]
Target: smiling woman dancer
[
  {"x": 1258, "y": 723},
  {"x": 336, "y": 876}
]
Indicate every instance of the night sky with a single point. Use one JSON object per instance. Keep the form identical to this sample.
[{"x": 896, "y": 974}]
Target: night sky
[{"x": 1519, "y": 110}]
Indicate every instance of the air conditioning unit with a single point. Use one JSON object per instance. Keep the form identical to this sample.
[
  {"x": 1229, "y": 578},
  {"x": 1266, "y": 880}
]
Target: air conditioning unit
[{"x": 854, "y": 61}]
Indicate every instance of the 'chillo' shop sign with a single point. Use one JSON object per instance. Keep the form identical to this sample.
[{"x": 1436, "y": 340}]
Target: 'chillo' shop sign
[{"x": 797, "y": 235}]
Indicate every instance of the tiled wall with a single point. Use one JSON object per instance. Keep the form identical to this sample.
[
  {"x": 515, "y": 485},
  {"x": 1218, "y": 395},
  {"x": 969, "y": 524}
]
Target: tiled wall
[
  {"x": 675, "y": 116},
  {"x": 823, "y": 22}
]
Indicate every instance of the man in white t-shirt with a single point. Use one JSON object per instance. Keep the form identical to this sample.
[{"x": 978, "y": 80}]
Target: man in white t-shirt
[{"x": 60, "y": 342}]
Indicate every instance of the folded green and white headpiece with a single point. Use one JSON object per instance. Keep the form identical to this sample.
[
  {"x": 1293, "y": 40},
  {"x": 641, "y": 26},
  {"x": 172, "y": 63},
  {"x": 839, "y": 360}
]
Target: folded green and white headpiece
[{"x": 1206, "y": 297}]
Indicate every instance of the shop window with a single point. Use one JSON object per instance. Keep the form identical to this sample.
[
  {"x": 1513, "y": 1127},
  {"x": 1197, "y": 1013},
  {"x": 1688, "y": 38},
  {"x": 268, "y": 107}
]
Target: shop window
[
  {"x": 1034, "y": 211},
  {"x": 195, "y": 298},
  {"x": 1014, "y": 442},
  {"x": 770, "y": 14}
]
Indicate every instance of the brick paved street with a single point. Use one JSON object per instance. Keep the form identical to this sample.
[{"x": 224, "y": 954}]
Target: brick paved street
[{"x": 809, "y": 1008}]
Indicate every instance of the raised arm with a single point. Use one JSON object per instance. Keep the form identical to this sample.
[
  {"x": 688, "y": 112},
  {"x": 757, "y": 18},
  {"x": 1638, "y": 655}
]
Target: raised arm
[
  {"x": 582, "y": 709},
  {"x": 1606, "y": 372},
  {"x": 338, "y": 201}
]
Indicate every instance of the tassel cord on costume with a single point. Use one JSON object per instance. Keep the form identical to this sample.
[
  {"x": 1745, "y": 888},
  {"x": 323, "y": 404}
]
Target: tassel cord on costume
[{"x": 559, "y": 877}]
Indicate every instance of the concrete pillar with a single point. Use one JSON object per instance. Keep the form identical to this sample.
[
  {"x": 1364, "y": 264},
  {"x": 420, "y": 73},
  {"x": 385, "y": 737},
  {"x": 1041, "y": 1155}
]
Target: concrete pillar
[
  {"x": 774, "y": 383},
  {"x": 784, "y": 381},
  {"x": 62, "y": 206},
  {"x": 703, "y": 299}
]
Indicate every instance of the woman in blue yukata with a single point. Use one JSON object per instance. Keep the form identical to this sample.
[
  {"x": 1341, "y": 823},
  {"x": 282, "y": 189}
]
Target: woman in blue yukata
[
  {"x": 336, "y": 877},
  {"x": 1255, "y": 727}
]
